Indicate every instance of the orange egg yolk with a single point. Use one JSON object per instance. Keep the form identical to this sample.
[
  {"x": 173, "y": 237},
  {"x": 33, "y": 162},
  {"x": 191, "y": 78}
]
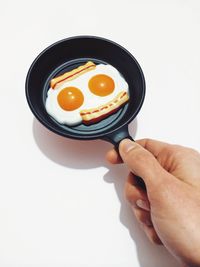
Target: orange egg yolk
[
  {"x": 70, "y": 98},
  {"x": 101, "y": 85}
]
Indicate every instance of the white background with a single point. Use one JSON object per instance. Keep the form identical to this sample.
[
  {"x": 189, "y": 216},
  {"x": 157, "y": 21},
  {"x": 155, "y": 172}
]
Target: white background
[{"x": 61, "y": 204}]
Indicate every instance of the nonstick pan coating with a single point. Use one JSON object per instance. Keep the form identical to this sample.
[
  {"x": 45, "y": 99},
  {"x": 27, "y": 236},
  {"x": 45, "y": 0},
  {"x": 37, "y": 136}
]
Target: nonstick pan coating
[{"x": 71, "y": 53}]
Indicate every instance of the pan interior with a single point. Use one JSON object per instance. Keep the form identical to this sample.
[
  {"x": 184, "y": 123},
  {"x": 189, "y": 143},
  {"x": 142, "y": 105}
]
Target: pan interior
[
  {"x": 82, "y": 129},
  {"x": 70, "y": 53}
]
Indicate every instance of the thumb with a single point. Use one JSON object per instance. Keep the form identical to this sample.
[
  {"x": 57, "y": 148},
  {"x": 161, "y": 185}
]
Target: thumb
[{"x": 141, "y": 162}]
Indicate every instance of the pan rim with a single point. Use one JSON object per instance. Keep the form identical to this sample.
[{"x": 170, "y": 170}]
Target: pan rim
[{"x": 88, "y": 136}]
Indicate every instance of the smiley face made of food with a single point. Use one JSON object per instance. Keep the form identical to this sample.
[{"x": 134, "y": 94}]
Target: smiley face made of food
[{"x": 86, "y": 94}]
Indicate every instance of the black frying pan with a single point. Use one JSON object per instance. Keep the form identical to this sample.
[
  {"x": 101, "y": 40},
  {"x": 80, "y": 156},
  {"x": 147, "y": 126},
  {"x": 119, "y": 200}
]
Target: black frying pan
[{"x": 69, "y": 53}]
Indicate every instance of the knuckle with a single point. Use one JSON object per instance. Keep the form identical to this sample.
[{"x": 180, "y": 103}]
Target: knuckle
[
  {"x": 181, "y": 151},
  {"x": 147, "y": 140},
  {"x": 177, "y": 151}
]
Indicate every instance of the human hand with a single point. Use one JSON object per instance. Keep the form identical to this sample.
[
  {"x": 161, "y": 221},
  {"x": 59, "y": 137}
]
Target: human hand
[{"x": 169, "y": 210}]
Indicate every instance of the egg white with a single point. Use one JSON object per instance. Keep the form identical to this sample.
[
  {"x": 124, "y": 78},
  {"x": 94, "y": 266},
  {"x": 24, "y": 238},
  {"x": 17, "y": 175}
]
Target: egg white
[{"x": 91, "y": 100}]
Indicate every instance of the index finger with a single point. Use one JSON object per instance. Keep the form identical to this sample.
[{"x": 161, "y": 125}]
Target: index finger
[
  {"x": 113, "y": 156},
  {"x": 153, "y": 146}
]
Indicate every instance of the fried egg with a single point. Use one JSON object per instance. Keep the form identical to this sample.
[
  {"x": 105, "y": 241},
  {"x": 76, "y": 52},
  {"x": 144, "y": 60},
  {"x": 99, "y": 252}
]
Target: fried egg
[{"x": 89, "y": 90}]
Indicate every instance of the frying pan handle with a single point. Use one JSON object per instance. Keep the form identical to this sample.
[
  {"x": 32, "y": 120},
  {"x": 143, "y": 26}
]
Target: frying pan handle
[{"x": 115, "y": 138}]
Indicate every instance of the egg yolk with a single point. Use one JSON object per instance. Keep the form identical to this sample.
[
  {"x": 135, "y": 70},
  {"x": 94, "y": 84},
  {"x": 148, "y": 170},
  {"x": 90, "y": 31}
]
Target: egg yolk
[
  {"x": 101, "y": 85},
  {"x": 70, "y": 98}
]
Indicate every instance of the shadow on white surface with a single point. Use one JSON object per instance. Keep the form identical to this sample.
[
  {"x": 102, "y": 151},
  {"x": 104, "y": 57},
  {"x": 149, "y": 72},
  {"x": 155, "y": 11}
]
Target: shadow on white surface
[
  {"x": 75, "y": 154},
  {"x": 90, "y": 154},
  {"x": 68, "y": 152}
]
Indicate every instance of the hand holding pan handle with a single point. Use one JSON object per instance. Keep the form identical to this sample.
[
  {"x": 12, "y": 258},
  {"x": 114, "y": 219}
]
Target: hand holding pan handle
[{"x": 115, "y": 138}]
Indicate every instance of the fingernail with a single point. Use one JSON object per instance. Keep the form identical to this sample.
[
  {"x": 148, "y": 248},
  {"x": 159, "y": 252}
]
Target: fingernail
[
  {"x": 143, "y": 204},
  {"x": 127, "y": 145}
]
